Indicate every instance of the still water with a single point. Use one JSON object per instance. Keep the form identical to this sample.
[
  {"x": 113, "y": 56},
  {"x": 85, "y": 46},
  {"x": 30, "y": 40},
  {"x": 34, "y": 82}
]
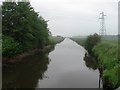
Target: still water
[{"x": 64, "y": 67}]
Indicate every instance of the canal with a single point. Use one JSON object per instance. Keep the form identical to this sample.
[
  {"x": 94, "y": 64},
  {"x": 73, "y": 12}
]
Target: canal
[{"x": 63, "y": 67}]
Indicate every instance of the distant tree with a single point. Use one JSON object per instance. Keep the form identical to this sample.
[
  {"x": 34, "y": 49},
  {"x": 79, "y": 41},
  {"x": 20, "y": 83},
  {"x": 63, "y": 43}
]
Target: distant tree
[{"x": 91, "y": 41}]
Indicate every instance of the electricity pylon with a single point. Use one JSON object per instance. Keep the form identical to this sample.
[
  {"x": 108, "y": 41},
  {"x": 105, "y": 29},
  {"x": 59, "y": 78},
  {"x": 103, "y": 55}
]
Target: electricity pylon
[{"x": 102, "y": 26}]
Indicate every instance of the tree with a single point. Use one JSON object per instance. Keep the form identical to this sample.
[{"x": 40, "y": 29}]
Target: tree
[
  {"x": 91, "y": 41},
  {"x": 24, "y": 25}
]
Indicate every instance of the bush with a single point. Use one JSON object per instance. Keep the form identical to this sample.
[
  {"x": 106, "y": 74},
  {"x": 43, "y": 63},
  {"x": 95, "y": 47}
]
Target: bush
[
  {"x": 10, "y": 47},
  {"x": 110, "y": 78},
  {"x": 91, "y": 41}
]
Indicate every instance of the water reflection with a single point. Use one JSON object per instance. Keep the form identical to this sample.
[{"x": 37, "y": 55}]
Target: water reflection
[
  {"x": 90, "y": 62},
  {"x": 26, "y": 74},
  {"x": 67, "y": 68}
]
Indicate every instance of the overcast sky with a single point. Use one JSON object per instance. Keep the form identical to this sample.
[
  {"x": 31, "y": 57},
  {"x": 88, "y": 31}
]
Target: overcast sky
[{"x": 77, "y": 17}]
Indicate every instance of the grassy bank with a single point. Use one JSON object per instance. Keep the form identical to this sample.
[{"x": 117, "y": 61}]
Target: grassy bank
[
  {"x": 107, "y": 55},
  {"x": 80, "y": 41},
  {"x": 55, "y": 39},
  {"x": 106, "y": 52}
]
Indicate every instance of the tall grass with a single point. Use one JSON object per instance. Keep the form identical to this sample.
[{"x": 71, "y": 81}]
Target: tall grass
[{"x": 107, "y": 53}]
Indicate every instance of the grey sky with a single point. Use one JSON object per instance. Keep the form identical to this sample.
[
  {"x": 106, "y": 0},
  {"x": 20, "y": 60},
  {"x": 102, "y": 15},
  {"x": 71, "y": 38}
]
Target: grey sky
[{"x": 78, "y": 17}]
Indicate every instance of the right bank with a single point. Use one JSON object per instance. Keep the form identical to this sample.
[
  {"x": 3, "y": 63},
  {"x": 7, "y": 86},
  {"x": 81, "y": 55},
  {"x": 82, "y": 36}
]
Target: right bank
[
  {"x": 108, "y": 62},
  {"x": 107, "y": 56}
]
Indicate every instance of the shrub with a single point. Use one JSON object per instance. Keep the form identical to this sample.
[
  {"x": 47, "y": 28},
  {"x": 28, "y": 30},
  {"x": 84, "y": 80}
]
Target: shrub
[
  {"x": 91, "y": 41},
  {"x": 110, "y": 78},
  {"x": 10, "y": 47}
]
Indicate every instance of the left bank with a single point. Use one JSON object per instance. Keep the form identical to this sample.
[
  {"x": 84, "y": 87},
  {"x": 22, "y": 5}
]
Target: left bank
[{"x": 19, "y": 57}]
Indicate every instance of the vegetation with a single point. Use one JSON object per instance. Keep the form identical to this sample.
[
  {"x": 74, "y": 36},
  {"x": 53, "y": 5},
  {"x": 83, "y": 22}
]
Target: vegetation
[
  {"x": 88, "y": 42},
  {"x": 91, "y": 41},
  {"x": 23, "y": 29},
  {"x": 106, "y": 51},
  {"x": 55, "y": 39},
  {"x": 80, "y": 41}
]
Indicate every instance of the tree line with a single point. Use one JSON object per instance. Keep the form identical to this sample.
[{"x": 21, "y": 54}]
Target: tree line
[{"x": 22, "y": 28}]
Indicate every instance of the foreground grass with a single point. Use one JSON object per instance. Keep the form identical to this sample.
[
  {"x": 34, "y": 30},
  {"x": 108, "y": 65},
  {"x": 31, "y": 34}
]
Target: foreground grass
[{"x": 107, "y": 55}]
